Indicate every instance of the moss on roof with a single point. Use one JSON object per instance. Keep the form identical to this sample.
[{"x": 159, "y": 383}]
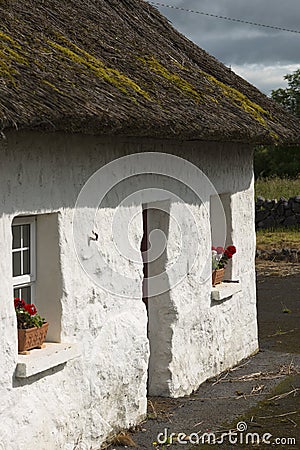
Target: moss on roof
[
  {"x": 118, "y": 67},
  {"x": 179, "y": 82}
]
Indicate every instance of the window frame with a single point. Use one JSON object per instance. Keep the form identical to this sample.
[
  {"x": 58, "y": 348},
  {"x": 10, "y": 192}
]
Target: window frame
[
  {"x": 26, "y": 280},
  {"x": 224, "y": 199}
]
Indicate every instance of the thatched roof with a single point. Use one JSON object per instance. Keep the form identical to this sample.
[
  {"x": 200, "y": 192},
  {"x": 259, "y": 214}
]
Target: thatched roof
[{"x": 118, "y": 67}]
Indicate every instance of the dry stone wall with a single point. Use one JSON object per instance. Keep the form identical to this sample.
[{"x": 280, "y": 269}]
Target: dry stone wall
[{"x": 277, "y": 213}]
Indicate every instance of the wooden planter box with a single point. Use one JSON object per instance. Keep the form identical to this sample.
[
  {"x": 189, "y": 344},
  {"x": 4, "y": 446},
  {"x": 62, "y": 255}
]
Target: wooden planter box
[
  {"x": 31, "y": 338},
  {"x": 217, "y": 276}
]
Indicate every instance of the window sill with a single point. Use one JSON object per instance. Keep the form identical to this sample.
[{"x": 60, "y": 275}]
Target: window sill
[
  {"x": 43, "y": 359},
  {"x": 225, "y": 290}
]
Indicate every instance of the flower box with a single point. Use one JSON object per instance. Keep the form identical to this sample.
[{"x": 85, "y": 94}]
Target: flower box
[
  {"x": 32, "y": 328},
  {"x": 217, "y": 276},
  {"x": 220, "y": 259},
  {"x": 30, "y": 338}
]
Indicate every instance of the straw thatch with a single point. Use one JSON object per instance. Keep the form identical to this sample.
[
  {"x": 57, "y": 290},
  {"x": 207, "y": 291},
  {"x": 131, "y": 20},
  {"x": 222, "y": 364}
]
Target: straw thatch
[{"x": 118, "y": 67}]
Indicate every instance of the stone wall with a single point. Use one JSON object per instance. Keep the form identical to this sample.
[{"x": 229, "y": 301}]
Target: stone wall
[
  {"x": 281, "y": 213},
  {"x": 284, "y": 254}
]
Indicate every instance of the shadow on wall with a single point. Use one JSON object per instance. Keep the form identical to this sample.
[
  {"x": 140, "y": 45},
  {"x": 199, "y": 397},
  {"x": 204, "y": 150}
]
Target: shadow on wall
[{"x": 19, "y": 382}]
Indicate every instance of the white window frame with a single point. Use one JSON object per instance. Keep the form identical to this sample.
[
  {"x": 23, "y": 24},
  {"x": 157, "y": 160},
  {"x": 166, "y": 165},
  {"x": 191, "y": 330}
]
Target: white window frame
[
  {"x": 54, "y": 354},
  {"x": 27, "y": 280}
]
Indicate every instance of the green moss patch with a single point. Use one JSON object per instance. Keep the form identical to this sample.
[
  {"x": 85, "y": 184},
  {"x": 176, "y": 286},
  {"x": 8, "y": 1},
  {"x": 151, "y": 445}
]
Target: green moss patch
[
  {"x": 242, "y": 101},
  {"x": 93, "y": 64},
  {"x": 180, "y": 83},
  {"x": 11, "y": 55}
]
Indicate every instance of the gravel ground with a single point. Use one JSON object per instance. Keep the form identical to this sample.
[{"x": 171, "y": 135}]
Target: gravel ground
[{"x": 241, "y": 395}]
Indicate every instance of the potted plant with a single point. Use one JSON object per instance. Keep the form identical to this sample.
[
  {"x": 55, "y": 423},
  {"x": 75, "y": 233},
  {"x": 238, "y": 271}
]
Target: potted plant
[
  {"x": 220, "y": 259},
  {"x": 32, "y": 328}
]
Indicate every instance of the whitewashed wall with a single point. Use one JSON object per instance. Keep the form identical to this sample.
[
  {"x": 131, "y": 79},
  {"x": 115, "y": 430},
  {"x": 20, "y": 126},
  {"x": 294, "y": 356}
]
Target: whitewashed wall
[{"x": 105, "y": 389}]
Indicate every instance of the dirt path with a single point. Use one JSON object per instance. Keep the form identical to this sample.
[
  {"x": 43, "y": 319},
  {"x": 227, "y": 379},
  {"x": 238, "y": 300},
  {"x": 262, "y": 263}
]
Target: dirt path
[{"x": 241, "y": 394}]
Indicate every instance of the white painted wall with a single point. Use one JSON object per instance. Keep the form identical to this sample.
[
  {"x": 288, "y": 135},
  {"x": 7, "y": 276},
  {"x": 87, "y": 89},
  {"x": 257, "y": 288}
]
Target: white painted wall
[{"x": 105, "y": 390}]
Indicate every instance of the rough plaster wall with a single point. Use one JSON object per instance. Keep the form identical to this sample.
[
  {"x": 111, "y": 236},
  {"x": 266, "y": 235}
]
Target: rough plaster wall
[
  {"x": 204, "y": 338},
  {"x": 105, "y": 389},
  {"x": 219, "y": 335}
]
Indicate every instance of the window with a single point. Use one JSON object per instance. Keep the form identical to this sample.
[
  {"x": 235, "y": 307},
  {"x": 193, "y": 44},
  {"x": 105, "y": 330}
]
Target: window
[
  {"x": 221, "y": 220},
  {"x": 32, "y": 238},
  {"x": 24, "y": 258},
  {"x": 36, "y": 267},
  {"x": 221, "y": 224}
]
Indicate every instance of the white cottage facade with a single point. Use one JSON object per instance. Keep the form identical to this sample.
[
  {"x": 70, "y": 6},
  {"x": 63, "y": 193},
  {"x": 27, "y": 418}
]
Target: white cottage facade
[
  {"x": 117, "y": 102},
  {"x": 93, "y": 380}
]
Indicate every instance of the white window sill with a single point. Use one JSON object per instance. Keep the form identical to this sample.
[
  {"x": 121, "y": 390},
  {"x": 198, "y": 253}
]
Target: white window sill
[
  {"x": 39, "y": 360},
  {"x": 225, "y": 290}
]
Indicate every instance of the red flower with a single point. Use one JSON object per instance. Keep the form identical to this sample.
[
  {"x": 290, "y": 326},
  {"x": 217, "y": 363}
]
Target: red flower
[
  {"x": 31, "y": 309},
  {"x": 220, "y": 250},
  {"x": 19, "y": 303},
  {"x": 214, "y": 248},
  {"x": 231, "y": 249}
]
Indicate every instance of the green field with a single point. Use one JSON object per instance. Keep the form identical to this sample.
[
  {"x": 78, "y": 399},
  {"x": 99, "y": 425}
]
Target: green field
[
  {"x": 278, "y": 239},
  {"x": 271, "y": 188},
  {"x": 276, "y": 187}
]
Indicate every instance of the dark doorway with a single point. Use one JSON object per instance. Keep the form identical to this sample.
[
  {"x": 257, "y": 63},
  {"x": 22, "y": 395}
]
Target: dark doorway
[
  {"x": 161, "y": 311},
  {"x": 144, "y": 249}
]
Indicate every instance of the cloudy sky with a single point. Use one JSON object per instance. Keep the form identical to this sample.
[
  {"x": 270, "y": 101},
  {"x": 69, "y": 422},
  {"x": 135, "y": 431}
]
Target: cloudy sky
[{"x": 260, "y": 55}]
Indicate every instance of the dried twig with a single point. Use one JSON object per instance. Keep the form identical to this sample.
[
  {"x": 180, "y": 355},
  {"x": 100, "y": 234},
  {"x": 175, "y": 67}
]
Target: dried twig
[
  {"x": 281, "y": 372},
  {"x": 292, "y": 421},
  {"x": 153, "y": 409},
  {"x": 280, "y": 333},
  {"x": 197, "y": 424},
  {"x": 285, "y": 394},
  {"x": 250, "y": 376},
  {"x": 279, "y": 415},
  {"x": 219, "y": 380},
  {"x": 240, "y": 366},
  {"x": 258, "y": 388},
  {"x": 221, "y": 377},
  {"x": 242, "y": 395},
  {"x": 123, "y": 439}
]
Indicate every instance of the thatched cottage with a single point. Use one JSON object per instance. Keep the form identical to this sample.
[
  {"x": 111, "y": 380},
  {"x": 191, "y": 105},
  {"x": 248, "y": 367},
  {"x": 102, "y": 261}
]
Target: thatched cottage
[{"x": 105, "y": 97}]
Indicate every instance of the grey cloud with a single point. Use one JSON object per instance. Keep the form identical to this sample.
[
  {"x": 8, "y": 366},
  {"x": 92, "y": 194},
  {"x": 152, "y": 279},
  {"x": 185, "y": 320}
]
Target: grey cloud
[
  {"x": 257, "y": 52},
  {"x": 233, "y": 42},
  {"x": 267, "y": 50}
]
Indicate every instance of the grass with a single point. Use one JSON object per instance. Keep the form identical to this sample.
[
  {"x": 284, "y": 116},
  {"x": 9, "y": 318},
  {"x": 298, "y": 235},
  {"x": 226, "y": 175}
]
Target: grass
[
  {"x": 272, "y": 238},
  {"x": 276, "y": 187},
  {"x": 278, "y": 238}
]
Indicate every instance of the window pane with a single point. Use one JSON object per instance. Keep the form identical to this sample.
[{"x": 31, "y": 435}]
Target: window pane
[
  {"x": 17, "y": 293},
  {"x": 26, "y": 262},
  {"x": 23, "y": 292},
  {"x": 26, "y": 294},
  {"x": 16, "y": 230},
  {"x": 16, "y": 264},
  {"x": 26, "y": 235}
]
